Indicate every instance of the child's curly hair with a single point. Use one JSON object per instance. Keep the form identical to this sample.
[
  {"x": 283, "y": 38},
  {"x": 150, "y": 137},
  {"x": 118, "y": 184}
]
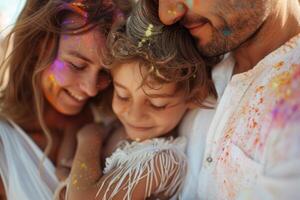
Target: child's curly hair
[{"x": 168, "y": 53}]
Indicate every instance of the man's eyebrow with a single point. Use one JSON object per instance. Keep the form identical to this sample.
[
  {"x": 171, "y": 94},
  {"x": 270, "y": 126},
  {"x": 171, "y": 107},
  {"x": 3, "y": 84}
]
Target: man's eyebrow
[{"x": 79, "y": 55}]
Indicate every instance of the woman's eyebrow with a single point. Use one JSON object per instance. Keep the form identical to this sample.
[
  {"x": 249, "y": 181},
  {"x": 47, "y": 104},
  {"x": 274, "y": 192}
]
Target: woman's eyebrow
[{"x": 79, "y": 55}]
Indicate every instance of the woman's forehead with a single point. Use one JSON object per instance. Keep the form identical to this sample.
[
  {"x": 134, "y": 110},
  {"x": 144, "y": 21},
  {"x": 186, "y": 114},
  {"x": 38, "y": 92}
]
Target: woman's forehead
[{"x": 73, "y": 21}]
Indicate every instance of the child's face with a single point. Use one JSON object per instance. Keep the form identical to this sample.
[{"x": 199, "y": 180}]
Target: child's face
[{"x": 143, "y": 115}]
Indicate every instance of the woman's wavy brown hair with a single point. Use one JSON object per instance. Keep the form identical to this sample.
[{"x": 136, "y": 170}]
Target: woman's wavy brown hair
[
  {"x": 168, "y": 52},
  {"x": 34, "y": 40}
]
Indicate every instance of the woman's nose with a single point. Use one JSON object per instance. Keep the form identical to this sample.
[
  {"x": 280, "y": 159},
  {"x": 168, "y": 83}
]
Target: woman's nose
[
  {"x": 89, "y": 86},
  {"x": 171, "y": 11}
]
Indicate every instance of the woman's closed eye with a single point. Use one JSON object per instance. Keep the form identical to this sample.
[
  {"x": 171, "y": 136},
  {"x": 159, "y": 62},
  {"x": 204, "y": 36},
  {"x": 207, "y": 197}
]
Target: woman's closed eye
[{"x": 77, "y": 67}]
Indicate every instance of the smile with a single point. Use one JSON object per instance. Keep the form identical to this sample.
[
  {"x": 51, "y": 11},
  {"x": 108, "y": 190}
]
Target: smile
[
  {"x": 139, "y": 128},
  {"x": 75, "y": 96}
]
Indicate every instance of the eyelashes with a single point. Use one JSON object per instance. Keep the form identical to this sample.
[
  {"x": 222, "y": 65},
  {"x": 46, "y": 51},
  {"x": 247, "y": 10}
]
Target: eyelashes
[{"x": 126, "y": 99}]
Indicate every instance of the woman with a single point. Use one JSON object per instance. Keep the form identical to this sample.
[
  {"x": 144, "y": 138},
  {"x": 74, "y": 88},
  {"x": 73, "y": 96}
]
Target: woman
[{"x": 55, "y": 71}]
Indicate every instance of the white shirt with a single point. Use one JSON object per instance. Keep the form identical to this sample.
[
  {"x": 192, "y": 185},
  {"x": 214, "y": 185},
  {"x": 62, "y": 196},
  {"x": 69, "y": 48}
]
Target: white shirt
[
  {"x": 20, "y": 159},
  {"x": 251, "y": 148}
]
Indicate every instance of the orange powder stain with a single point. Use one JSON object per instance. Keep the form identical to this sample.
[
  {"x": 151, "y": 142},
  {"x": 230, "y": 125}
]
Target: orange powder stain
[
  {"x": 260, "y": 89},
  {"x": 279, "y": 65}
]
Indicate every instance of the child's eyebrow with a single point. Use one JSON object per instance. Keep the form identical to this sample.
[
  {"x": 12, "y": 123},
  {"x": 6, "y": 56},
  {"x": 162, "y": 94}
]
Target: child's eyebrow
[
  {"x": 119, "y": 85},
  {"x": 160, "y": 95},
  {"x": 150, "y": 95}
]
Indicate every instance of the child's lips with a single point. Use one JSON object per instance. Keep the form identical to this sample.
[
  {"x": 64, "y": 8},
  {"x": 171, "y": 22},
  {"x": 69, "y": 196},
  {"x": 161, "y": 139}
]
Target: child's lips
[{"x": 140, "y": 128}]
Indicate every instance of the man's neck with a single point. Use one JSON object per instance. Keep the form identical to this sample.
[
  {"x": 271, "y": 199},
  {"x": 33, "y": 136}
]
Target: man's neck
[{"x": 280, "y": 26}]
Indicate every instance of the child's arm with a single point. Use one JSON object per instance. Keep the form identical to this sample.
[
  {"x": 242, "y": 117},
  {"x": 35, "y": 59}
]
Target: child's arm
[
  {"x": 66, "y": 153},
  {"x": 111, "y": 142},
  {"x": 86, "y": 168}
]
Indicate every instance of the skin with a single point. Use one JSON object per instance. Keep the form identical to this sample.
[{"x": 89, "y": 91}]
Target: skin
[
  {"x": 251, "y": 29},
  {"x": 145, "y": 112},
  {"x": 77, "y": 74}
]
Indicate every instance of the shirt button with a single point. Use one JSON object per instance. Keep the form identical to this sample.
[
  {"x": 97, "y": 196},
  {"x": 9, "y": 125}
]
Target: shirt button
[{"x": 209, "y": 159}]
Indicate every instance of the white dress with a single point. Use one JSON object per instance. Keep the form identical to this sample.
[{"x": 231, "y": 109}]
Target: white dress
[
  {"x": 132, "y": 159},
  {"x": 23, "y": 175}
]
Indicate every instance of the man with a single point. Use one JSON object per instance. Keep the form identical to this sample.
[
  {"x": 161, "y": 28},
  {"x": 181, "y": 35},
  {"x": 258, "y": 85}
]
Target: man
[{"x": 250, "y": 147}]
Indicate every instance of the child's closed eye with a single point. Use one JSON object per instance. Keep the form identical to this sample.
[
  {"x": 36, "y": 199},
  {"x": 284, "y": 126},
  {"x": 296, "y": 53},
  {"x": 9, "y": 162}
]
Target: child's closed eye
[
  {"x": 158, "y": 106},
  {"x": 121, "y": 97}
]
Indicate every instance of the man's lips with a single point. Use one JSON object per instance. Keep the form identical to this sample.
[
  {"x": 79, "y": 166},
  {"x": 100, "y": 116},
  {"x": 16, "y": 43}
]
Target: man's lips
[
  {"x": 190, "y": 28},
  {"x": 194, "y": 23}
]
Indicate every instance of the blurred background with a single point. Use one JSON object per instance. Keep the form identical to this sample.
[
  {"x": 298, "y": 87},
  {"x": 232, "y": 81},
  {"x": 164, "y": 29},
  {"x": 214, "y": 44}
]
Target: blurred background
[{"x": 9, "y": 10}]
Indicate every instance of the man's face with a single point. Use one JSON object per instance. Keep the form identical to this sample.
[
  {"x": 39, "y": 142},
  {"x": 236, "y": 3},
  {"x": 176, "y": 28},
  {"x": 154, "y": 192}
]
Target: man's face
[{"x": 219, "y": 26}]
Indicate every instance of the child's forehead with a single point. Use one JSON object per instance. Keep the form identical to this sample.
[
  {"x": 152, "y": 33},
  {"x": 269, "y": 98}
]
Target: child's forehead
[
  {"x": 160, "y": 90},
  {"x": 134, "y": 77}
]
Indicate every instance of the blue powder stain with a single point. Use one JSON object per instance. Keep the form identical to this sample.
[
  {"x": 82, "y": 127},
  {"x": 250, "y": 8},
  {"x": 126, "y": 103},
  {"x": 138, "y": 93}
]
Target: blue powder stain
[{"x": 226, "y": 32}]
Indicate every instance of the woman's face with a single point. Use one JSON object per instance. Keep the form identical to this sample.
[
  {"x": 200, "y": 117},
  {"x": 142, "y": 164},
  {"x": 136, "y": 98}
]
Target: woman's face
[{"x": 76, "y": 74}]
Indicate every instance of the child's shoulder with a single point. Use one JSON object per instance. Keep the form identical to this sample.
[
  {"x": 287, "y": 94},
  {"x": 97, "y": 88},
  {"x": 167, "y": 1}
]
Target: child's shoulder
[
  {"x": 151, "y": 146},
  {"x": 145, "y": 151},
  {"x": 158, "y": 164}
]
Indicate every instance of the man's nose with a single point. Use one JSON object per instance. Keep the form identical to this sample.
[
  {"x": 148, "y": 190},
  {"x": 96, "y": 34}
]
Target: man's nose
[{"x": 171, "y": 11}]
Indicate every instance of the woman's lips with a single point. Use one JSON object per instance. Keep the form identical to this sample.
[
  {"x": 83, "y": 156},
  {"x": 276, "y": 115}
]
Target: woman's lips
[{"x": 74, "y": 99}]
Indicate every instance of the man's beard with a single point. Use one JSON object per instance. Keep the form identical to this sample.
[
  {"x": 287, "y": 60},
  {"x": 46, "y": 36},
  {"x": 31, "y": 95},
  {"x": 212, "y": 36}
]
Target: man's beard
[{"x": 218, "y": 45}]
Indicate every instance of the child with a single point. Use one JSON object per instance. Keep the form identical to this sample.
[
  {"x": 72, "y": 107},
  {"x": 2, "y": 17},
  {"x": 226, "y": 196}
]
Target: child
[{"x": 150, "y": 97}]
